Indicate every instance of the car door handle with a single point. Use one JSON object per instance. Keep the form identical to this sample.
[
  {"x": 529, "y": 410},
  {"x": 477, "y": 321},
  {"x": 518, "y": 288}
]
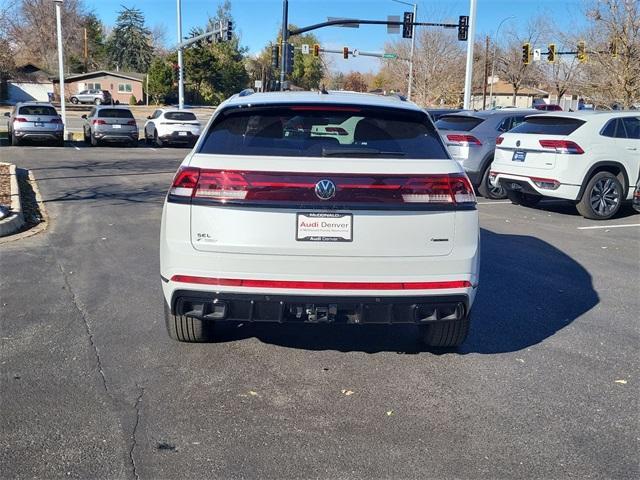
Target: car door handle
[{"x": 632, "y": 148}]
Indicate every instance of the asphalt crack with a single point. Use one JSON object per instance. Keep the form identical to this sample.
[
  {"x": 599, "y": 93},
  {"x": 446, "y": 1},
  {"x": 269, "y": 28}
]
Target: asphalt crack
[
  {"x": 134, "y": 442},
  {"x": 94, "y": 347}
]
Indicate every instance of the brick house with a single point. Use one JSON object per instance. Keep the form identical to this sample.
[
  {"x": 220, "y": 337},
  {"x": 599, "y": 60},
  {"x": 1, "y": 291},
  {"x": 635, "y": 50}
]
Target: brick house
[{"x": 121, "y": 85}]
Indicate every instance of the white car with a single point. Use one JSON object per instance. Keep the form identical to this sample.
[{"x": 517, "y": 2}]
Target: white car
[
  {"x": 590, "y": 158},
  {"x": 307, "y": 207},
  {"x": 170, "y": 126}
]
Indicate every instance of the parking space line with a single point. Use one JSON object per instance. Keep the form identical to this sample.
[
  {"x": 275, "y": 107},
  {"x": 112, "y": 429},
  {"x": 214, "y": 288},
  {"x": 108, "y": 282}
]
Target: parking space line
[
  {"x": 599, "y": 227},
  {"x": 77, "y": 148},
  {"x": 494, "y": 203}
]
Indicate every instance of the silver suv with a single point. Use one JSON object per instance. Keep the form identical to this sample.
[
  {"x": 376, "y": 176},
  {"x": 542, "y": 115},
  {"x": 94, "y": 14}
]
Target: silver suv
[
  {"x": 97, "y": 97},
  {"x": 110, "y": 124},
  {"x": 35, "y": 121}
]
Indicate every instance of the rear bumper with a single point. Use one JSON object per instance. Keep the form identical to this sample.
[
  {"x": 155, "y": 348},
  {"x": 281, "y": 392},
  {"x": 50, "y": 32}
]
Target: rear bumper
[
  {"x": 313, "y": 309},
  {"x": 525, "y": 184},
  {"x": 117, "y": 137},
  {"x": 39, "y": 135},
  {"x": 175, "y": 137}
]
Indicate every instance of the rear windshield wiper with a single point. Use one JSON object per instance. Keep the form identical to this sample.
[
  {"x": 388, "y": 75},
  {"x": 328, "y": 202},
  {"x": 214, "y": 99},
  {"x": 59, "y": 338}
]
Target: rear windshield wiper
[{"x": 359, "y": 152}]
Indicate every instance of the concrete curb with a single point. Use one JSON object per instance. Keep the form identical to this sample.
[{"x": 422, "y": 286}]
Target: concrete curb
[{"x": 15, "y": 221}]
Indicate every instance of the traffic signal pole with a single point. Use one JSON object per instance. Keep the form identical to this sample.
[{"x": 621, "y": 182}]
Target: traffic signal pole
[
  {"x": 469, "y": 69},
  {"x": 180, "y": 65},
  {"x": 285, "y": 40}
]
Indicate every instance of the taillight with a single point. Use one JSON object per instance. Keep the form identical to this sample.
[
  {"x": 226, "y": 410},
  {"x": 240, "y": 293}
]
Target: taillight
[
  {"x": 98, "y": 122},
  {"x": 464, "y": 140},
  {"x": 546, "y": 183},
  {"x": 295, "y": 189},
  {"x": 20, "y": 119},
  {"x": 55, "y": 120},
  {"x": 131, "y": 122},
  {"x": 185, "y": 181},
  {"x": 499, "y": 140},
  {"x": 562, "y": 146}
]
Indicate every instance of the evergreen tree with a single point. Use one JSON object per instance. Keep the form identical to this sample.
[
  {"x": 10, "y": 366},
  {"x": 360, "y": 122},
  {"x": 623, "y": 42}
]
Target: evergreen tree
[
  {"x": 97, "y": 49},
  {"x": 160, "y": 81},
  {"x": 129, "y": 46}
]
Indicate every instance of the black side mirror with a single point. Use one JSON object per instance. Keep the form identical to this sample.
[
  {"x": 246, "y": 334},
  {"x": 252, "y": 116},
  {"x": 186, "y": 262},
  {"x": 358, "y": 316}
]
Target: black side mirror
[
  {"x": 7, "y": 114},
  {"x": 148, "y": 117},
  {"x": 84, "y": 116}
]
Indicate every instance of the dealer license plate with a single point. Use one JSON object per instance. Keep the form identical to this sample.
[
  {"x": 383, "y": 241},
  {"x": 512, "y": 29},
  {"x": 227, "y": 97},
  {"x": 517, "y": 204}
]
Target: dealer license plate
[
  {"x": 116, "y": 125},
  {"x": 519, "y": 156},
  {"x": 324, "y": 227},
  {"x": 182, "y": 134}
]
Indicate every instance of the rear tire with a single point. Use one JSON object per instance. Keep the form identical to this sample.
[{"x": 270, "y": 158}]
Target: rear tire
[
  {"x": 94, "y": 141},
  {"x": 74, "y": 100},
  {"x": 14, "y": 141},
  {"x": 187, "y": 329},
  {"x": 445, "y": 334},
  {"x": 60, "y": 142},
  {"x": 158, "y": 141},
  {"x": 97, "y": 101},
  {"x": 524, "y": 199},
  {"x": 489, "y": 191},
  {"x": 602, "y": 197}
]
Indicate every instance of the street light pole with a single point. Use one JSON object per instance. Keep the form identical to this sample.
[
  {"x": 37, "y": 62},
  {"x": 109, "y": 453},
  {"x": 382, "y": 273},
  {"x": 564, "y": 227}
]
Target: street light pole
[
  {"x": 413, "y": 45},
  {"x": 60, "y": 63},
  {"x": 180, "y": 65},
  {"x": 285, "y": 40},
  {"x": 468, "y": 77},
  {"x": 493, "y": 61}
]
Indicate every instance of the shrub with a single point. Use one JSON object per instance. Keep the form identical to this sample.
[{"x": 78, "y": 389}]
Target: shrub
[{"x": 132, "y": 100}]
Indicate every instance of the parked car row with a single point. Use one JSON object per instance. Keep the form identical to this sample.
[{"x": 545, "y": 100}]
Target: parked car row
[{"x": 40, "y": 122}]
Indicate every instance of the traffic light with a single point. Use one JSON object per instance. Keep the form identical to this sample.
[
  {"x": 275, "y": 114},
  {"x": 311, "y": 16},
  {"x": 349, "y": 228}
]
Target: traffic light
[
  {"x": 582, "y": 51},
  {"x": 526, "y": 53},
  {"x": 290, "y": 53},
  {"x": 407, "y": 25},
  {"x": 229, "y": 29},
  {"x": 316, "y": 50},
  {"x": 463, "y": 28},
  {"x": 275, "y": 57},
  {"x": 551, "y": 54},
  {"x": 345, "y": 52}
]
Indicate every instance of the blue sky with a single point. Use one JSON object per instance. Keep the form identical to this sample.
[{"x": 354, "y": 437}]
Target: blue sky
[{"x": 257, "y": 21}]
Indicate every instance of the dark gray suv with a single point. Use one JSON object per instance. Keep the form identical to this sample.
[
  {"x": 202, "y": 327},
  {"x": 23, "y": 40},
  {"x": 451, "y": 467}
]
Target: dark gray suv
[{"x": 110, "y": 124}]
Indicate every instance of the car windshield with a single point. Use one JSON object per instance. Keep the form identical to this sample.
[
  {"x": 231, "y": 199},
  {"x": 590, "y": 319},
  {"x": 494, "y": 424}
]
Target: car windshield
[
  {"x": 458, "y": 122},
  {"x": 114, "y": 113},
  {"x": 543, "y": 125},
  {"x": 41, "y": 110},
  {"x": 186, "y": 116},
  {"x": 324, "y": 130}
]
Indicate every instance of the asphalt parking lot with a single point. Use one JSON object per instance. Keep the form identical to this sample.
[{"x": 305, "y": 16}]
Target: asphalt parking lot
[{"x": 92, "y": 387}]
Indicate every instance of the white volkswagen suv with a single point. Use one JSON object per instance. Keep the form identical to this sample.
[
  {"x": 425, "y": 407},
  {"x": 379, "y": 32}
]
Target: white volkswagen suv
[
  {"x": 308, "y": 207},
  {"x": 589, "y": 158}
]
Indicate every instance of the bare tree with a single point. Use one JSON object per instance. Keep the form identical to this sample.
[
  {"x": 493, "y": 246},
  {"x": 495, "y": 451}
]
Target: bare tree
[
  {"x": 612, "y": 79},
  {"x": 355, "y": 82}
]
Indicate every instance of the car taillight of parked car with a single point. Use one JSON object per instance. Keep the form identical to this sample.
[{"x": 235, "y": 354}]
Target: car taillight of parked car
[
  {"x": 223, "y": 186},
  {"x": 98, "y": 122},
  {"x": 464, "y": 140},
  {"x": 499, "y": 140},
  {"x": 562, "y": 146},
  {"x": 131, "y": 122},
  {"x": 56, "y": 120},
  {"x": 20, "y": 119}
]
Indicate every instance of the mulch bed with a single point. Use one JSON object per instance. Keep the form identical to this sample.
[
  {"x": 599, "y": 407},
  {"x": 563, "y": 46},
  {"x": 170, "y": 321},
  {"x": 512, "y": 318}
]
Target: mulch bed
[{"x": 5, "y": 186}]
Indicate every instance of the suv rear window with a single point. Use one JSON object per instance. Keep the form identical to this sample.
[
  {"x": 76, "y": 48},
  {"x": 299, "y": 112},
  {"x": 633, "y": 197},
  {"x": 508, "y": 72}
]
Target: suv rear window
[
  {"x": 458, "y": 122},
  {"x": 548, "y": 126},
  {"x": 37, "y": 110},
  {"x": 114, "y": 113},
  {"x": 323, "y": 131},
  {"x": 186, "y": 116}
]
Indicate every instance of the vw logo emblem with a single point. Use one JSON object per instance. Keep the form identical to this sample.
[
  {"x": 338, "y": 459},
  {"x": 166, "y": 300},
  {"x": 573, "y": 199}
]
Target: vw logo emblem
[{"x": 325, "y": 189}]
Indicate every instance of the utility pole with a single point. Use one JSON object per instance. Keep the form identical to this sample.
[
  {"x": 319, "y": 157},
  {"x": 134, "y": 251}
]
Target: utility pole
[
  {"x": 86, "y": 51},
  {"x": 60, "y": 63},
  {"x": 285, "y": 40},
  {"x": 180, "y": 66},
  {"x": 486, "y": 73},
  {"x": 468, "y": 77},
  {"x": 413, "y": 45}
]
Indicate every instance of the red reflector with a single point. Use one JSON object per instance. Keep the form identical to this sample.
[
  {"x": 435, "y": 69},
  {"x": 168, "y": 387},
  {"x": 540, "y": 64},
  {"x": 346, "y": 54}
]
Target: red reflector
[
  {"x": 321, "y": 108},
  {"x": 499, "y": 140},
  {"x": 562, "y": 146},
  {"x": 20, "y": 119},
  {"x": 464, "y": 140},
  {"x": 290, "y": 284}
]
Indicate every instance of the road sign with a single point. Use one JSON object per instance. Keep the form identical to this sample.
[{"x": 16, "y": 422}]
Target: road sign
[
  {"x": 390, "y": 55},
  {"x": 257, "y": 84},
  {"x": 407, "y": 25},
  {"x": 305, "y": 49},
  {"x": 393, "y": 28},
  {"x": 355, "y": 52},
  {"x": 537, "y": 54}
]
